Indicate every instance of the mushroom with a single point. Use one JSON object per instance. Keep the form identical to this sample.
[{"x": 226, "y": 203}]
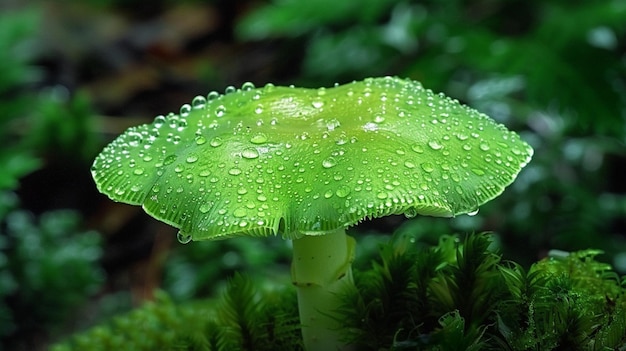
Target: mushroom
[{"x": 306, "y": 164}]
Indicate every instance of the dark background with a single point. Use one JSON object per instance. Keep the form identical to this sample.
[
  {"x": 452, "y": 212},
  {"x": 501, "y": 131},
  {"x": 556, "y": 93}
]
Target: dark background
[{"x": 74, "y": 74}]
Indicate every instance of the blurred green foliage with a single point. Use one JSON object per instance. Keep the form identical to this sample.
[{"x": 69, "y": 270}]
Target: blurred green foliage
[
  {"x": 15, "y": 75},
  {"x": 192, "y": 270},
  {"x": 48, "y": 267},
  {"x": 35, "y": 120}
]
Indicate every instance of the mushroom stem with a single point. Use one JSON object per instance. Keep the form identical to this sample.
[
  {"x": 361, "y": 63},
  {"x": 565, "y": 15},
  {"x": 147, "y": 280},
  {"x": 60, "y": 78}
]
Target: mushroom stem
[{"x": 320, "y": 270}]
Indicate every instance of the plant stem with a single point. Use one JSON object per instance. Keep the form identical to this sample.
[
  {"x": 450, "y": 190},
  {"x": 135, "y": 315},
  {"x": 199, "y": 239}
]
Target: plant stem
[{"x": 321, "y": 268}]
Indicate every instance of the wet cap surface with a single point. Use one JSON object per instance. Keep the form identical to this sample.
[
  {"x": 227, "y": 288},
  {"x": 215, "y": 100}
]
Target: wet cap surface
[{"x": 293, "y": 161}]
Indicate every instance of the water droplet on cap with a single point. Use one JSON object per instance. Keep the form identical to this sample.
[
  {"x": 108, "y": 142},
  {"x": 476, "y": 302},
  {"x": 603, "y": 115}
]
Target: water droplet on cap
[
  {"x": 329, "y": 162},
  {"x": 159, "y": 121},
  {"x": 212, "y": 95},
  {"x": 435, "y": 145},
  {"x": 169, "y": 159},
  {"x": 478, "y": 171},
  {"x": 247, "y": 86},
  {"x": 205, "y": 207},
  {"x": 200, "y": 140},
  {"x": 342, "y": 191},
  {"x": 220, "y": 111},
  {"x": 183, "y": 238},
  {"x": 318, "y": 103},
  {"x": 185, "y": 110},
  {"x": 259, "y": 138},
  {"x": 417, "y": 148},
  {"x": 428, "y": 167},
  {"x": 234, "y": 171},
  {"x": 250, "y": 153},
  {"x": 198, "y": 102}
]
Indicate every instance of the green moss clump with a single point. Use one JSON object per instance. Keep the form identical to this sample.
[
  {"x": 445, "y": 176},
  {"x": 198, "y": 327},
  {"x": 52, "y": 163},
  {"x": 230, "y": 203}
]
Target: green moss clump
[
  {"x": 460, "y": 295},
  {"x": 244, "y": 318}
]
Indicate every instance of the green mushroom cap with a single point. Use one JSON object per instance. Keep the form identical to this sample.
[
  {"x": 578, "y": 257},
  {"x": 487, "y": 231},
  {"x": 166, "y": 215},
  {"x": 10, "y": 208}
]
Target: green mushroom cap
[{"x": 294, "y": 161}]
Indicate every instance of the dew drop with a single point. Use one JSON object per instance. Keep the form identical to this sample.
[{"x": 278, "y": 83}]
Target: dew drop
[
  {"x": 240, "y": 212},
  {"x": 183, "y": 238},
  {"x": 234, "y": 171},
  {"x": 435, "y": 145},
  {"x": 169, "y": 160},
  {"x": 250, "y": 153},
  {"x": 215, "y": 142},
  {"x": 428, "y": 167},
  {"x": 138, "y": 171},
  {"x": 192, "y": 158},
  {"x": 484, "y": 146},
  {"x": 318, "y": 103},
  {"x": 230, "y": 89},
  {"x": 159, "y": 121},
  {"x": 212, "y": 95},
  {"x": 478, "y": 171},
  {"x": 342, "y": 191},
  {"x": 200, "y": 140},
  {"x": 259, "y": 138},
  {"x": 247, "y": 86},
  {"x": 134, "y": 139},
  {"x": 381, "y": 195},
  {"x": 220, "y": 111},
  {"x": 205, "y": 207},
  {"x": 329, "y": 162},
  {"x": 198, "y": 102},
  {"x": 417, "y": 148},
  {"x": 409, "y": 164},
  {"x": 185, "y": 110},
  {"x": 473, "y": 213},
  {"x": 332, "y": 124},
  {"x": 410, "y": 212}
]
